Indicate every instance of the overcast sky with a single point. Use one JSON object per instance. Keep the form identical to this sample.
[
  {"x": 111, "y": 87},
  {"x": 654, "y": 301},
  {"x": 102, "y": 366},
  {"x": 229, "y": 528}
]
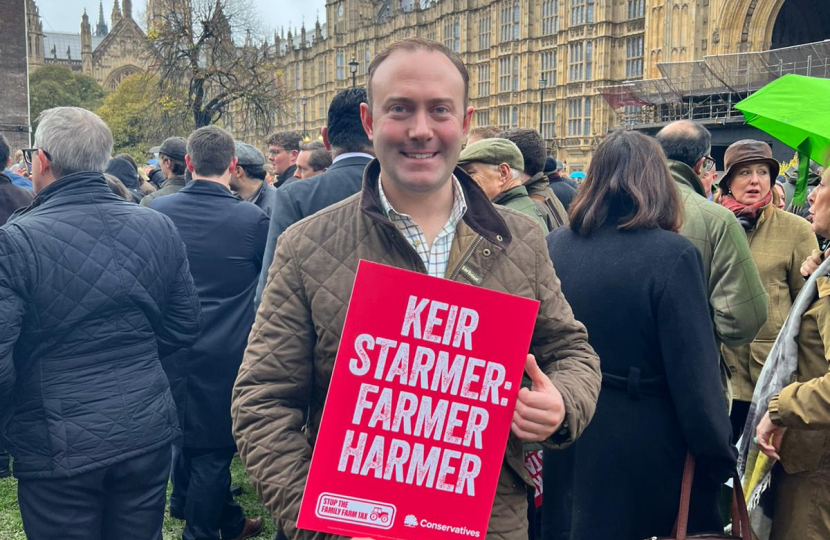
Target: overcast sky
[{"x": 65, "y": 15}]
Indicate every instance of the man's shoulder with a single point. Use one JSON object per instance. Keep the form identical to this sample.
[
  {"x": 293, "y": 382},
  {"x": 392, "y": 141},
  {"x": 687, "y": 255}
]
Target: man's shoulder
[
  {"x": 326, "y": 222},
  {"x": 705, "y": 210}
]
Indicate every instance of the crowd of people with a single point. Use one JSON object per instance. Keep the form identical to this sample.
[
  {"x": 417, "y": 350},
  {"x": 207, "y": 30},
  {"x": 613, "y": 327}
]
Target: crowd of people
[{"x": 158, "y": 321}]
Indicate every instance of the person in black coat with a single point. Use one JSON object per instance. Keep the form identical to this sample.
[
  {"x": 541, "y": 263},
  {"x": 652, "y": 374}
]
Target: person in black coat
[
  {"x": 94, "y": 291},
  {"x": 225, "y": 239},
  {"x": 124, "y": 171},
  {"x": 11, "y": 198},
  {"x": 345, "y": 137},
  {"x": 639, "y": 289},
  {"x": 563, "y": 188}
]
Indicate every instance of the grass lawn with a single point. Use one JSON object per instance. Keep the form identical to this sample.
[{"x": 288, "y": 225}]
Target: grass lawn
[{"x": 11, "y": 527}]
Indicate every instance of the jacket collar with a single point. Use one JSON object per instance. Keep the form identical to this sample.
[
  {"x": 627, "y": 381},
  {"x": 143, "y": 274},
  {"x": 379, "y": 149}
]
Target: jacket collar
[
  {"x": 512, "y": 193},
  {"x": 685, "y": 175},
  {"x": 350, "y": 162},
  {"x": 4, "y": 179},
  {"x": 70, "y": 188},
  {"x": 207, "y": 187},
  {"x": 175, "y": 180},
  {"x": 481, "y": 215}
]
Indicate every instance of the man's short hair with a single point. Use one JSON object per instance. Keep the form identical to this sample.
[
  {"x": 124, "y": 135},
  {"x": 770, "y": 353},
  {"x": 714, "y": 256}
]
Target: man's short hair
[
  {"x": 319, "y": 158},
  {"x": 485, "y": 132},
  {"x": 211, "y": 150},
  {"x": 345, "y": 130},
  {"x": 412, "y": 45},
  {"x": 685, "y": 141},
  {"x": 289, "y": 140},
  {"x": 5, "y": 152},
  {"x": 77, "y": 140},
  {"x": 532, "y": 147}
]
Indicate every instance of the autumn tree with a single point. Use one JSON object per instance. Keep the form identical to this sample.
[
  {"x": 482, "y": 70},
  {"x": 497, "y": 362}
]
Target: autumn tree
[
  {"x": 140, "y": 115},
  {"x": 58, "y": 86},
  {"x": 216, "y": 79}
]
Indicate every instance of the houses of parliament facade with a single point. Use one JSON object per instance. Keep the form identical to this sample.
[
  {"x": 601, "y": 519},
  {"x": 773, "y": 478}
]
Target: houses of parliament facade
[
  {"x": 532, "y": 63},
  {"x": 532, "y": 56}
]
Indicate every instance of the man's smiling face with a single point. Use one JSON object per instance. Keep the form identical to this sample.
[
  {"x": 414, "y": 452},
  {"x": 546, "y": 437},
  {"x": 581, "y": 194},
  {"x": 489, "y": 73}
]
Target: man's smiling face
[{"x": 418, "y": 119}]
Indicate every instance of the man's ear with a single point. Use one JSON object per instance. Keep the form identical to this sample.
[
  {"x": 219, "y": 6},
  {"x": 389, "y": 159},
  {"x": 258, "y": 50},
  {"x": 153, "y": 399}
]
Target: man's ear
[
  {"x": 324, "y": 133},
  {"x": 234, "y": 162},
  {"x": 189, "y": 163},
  {"x": 45, "y": 164},
  {"x": 699, "y": 166},
  {"x": 504, "y": 173},
  {"x": 367, "y": 121},
  {"x": 294, "y": 154}
]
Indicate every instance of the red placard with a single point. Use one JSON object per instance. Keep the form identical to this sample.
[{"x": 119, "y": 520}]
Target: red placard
[{"x": 419, "y": 408}]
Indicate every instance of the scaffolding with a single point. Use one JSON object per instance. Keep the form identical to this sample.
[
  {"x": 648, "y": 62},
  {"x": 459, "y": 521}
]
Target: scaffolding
[{"x": 707, "y": 89}]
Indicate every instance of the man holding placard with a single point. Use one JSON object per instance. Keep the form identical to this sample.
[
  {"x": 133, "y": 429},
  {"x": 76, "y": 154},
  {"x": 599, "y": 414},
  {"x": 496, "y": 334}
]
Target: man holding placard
[{"x": 417, "y": 211}]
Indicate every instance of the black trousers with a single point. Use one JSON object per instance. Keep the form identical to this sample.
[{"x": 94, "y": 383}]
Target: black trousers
[
  {"x": 740, "y": 410},
  {"x": 202, "y": 477},
  {"x": 124, "y": 501},
  {"x": 4, "y": 460}
]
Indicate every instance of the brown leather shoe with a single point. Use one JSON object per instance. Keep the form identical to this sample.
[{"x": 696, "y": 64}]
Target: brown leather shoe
[{"x": 253, "y": 526}]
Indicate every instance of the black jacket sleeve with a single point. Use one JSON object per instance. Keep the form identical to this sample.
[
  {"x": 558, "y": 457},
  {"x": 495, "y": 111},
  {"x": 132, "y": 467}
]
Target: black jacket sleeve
[
  {"x": 181, "y": 321},
  {"x": 13, "y": 294},
  {"x": 691, "y": 361}
]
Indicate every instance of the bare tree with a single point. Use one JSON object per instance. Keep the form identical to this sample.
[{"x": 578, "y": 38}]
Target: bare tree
[{"x": 216, "y": 79}]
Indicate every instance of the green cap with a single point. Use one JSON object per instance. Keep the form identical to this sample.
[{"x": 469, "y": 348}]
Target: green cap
[{"x": 493, "y": 152}]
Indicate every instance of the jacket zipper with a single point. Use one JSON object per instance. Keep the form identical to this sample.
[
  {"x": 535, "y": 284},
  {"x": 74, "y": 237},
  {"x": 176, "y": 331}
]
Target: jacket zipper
[{"x": 466, "y": 258}]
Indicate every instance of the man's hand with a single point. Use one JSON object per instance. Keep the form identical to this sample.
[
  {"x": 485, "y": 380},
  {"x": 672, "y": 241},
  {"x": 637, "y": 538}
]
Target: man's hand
[
  {"x": 768, "y": 437},
  {"x": 812, "y": 263},
  {"x": 539, "y": 410}
]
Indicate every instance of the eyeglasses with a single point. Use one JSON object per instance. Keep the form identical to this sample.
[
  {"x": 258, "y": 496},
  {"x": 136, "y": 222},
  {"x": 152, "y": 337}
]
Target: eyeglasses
[
  {"x": 708, "y": 163},
  {"x": 275, "y": 151},
  {"x": 29, "y": 153}
]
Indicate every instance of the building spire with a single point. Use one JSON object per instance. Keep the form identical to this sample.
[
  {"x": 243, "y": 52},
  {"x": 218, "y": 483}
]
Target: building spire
[
  {"x": 101, "y": 29},
  {"x": 127, "y": 8},
  {"x": 116, "y": 13}
]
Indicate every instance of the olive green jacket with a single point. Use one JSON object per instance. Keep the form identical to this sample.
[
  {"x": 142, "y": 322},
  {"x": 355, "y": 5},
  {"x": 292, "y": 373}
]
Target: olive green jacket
[
  {"x": 779, "y": 243},
  {"x": 517, "y": 199},
  {"x": 736, "y": 296},
  {"x": 553, "y": 213}
]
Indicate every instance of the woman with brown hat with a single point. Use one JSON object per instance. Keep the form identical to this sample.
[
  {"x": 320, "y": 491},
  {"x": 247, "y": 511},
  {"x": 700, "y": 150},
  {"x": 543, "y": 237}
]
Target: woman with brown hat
[{"x": 779, "y": 242}]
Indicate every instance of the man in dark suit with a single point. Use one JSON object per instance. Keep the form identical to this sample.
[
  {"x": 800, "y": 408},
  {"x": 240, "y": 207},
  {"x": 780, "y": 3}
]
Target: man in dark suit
[
  {"x": 225, "y": 240},
  {"x": 344, "y": 136}
]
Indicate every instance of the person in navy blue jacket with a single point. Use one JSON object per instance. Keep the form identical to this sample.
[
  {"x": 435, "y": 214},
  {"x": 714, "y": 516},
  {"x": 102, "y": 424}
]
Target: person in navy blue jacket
[
  {"x": 225, "y": 239},
  {"x": 94, "y": 290}
]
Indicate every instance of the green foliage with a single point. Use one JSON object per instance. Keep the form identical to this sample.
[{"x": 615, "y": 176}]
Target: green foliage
[
  {"x": 139, "y": 116},
  {"x": 58, "y": 86}
]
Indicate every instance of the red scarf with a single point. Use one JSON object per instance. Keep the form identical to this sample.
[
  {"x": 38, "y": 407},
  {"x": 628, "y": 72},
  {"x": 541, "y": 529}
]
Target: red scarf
[{"x": 748, "y": 212}]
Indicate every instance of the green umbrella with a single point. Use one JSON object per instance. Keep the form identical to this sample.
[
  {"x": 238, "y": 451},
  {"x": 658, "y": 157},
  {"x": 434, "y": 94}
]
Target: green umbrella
[{"x": 795, "y": 110}]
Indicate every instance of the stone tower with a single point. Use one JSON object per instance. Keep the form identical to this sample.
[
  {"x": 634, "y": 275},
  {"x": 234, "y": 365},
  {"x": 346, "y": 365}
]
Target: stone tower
[
  {"x": 34, "y": 31},
  {"x": 116, "y": 14},
  {"x": 86, "y": 45}
]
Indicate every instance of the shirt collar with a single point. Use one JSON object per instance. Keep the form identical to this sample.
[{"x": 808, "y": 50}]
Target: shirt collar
[
  {"x": 348, "y": 155},
  {"x": 459, "y": 204}
]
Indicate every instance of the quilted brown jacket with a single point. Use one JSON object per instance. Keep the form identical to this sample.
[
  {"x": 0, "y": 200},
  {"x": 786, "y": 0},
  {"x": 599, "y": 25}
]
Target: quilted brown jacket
[{"x": 282, "y": 383}]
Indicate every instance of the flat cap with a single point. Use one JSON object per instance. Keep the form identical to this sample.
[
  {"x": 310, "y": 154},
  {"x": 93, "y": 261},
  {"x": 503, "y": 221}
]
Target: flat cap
[
  {"x": 174, "y": 147},
  {"x": 493, "y": 152},
  {"x": 249, "y": 156}
]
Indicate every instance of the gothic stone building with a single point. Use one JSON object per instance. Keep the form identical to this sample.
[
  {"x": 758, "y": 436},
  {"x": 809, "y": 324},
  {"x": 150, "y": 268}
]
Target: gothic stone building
[
  {"x": 523, "y": 52},
  {"x": 108, "y": 55}
]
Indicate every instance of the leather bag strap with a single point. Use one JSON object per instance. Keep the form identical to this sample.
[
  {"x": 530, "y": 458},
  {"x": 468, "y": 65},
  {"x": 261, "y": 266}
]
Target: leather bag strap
[{"x": 740, "y": 517}]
